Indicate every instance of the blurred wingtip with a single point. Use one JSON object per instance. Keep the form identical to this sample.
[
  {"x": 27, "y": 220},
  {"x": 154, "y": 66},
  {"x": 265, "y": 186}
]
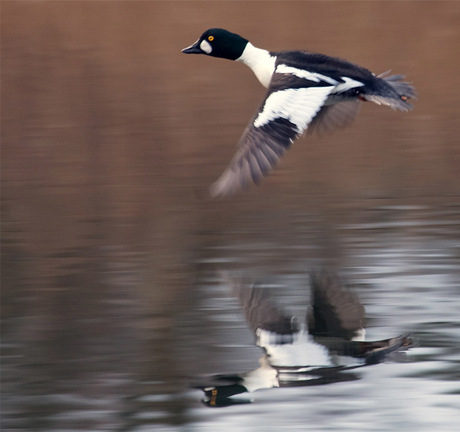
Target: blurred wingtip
[
  {"x": 223, "y": 187},
  {"x": 227, "y": 185}
]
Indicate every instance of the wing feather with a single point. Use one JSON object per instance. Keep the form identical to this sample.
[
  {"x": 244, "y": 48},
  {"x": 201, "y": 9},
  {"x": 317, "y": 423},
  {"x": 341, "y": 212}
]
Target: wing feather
[
  {"x": 283, "y": 117},
  {"x": 337, "y": 309},
  {"x": 333, "y": 117}
]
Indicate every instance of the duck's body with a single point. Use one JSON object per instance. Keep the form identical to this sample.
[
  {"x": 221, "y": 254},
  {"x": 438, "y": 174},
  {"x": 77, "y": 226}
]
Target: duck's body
[{"x": 305, "y": 91}]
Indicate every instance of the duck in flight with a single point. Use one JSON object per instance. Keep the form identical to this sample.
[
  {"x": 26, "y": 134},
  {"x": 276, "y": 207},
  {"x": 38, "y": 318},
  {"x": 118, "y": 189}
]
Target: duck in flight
[{"x": 306, "y": 92}]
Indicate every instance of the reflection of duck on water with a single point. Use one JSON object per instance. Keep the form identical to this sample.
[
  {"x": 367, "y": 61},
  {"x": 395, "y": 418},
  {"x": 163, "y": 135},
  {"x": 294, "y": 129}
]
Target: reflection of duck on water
[{"x": 327, "y": 352}]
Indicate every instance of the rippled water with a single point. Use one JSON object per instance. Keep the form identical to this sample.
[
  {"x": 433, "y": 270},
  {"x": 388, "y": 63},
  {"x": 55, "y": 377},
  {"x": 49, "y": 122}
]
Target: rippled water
[
  {"x": 407, "y": 273},
  {"x": 114, "y": 300},
  {"x": 107, "y": 362}
]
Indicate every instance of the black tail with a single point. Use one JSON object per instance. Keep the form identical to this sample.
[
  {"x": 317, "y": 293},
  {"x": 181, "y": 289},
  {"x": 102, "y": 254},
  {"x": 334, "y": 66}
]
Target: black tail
[{"x": 393, "y": 92}]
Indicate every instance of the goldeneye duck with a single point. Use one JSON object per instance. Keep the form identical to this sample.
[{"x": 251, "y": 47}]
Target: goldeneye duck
[
  {"x": 306, "y": 91},
  {"x": 328, "y": 350}
]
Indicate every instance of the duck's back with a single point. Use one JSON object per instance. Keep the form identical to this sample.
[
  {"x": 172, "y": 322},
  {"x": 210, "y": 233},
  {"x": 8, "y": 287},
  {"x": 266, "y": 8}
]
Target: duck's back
[{"x": 331, "y": 67}]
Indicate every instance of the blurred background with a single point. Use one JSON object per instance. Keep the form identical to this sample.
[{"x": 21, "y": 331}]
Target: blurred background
[{"x": 111, "y": 303}]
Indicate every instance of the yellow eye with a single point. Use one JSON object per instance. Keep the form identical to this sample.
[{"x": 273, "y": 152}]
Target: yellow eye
[{"x": 210, "y": 38}]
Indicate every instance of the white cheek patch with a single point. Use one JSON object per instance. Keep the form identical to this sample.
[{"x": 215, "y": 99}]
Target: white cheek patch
[
  {"x": 299, "y": 106},
  {"x": 206, "y": 46}
]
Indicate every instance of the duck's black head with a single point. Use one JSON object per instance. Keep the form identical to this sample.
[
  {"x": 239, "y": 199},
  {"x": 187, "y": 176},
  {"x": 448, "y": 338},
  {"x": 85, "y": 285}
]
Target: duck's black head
[{"x": 218, "y": 43}]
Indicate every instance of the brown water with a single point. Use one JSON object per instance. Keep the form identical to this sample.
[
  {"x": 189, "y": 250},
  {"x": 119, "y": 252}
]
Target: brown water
[{"x": 112, "y": 303}]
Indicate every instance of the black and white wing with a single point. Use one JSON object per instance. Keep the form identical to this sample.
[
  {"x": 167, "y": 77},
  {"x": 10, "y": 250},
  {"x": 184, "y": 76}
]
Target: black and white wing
[
  {"x": 337, "y": 310},
  {"x": 260, "y": 310},
  {"x": 284, "y": 115}
]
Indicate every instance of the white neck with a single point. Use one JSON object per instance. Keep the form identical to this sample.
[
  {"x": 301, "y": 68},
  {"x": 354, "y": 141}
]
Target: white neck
[{"x": 260, "y": 61}]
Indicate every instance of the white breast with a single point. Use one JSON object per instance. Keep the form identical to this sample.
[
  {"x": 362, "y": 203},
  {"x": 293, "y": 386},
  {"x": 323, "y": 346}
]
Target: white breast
[
  {"x": 260, "y": 61},
  {"x": 302, "y": 352}
]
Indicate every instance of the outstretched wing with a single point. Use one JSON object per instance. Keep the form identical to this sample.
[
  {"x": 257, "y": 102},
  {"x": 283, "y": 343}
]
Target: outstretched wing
[
  {"x": 333, "y": 117},
  {"x": 337, "y": 310},
  {"x": 283, "y": 117},
  {"x": 261, "y": 311}
]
